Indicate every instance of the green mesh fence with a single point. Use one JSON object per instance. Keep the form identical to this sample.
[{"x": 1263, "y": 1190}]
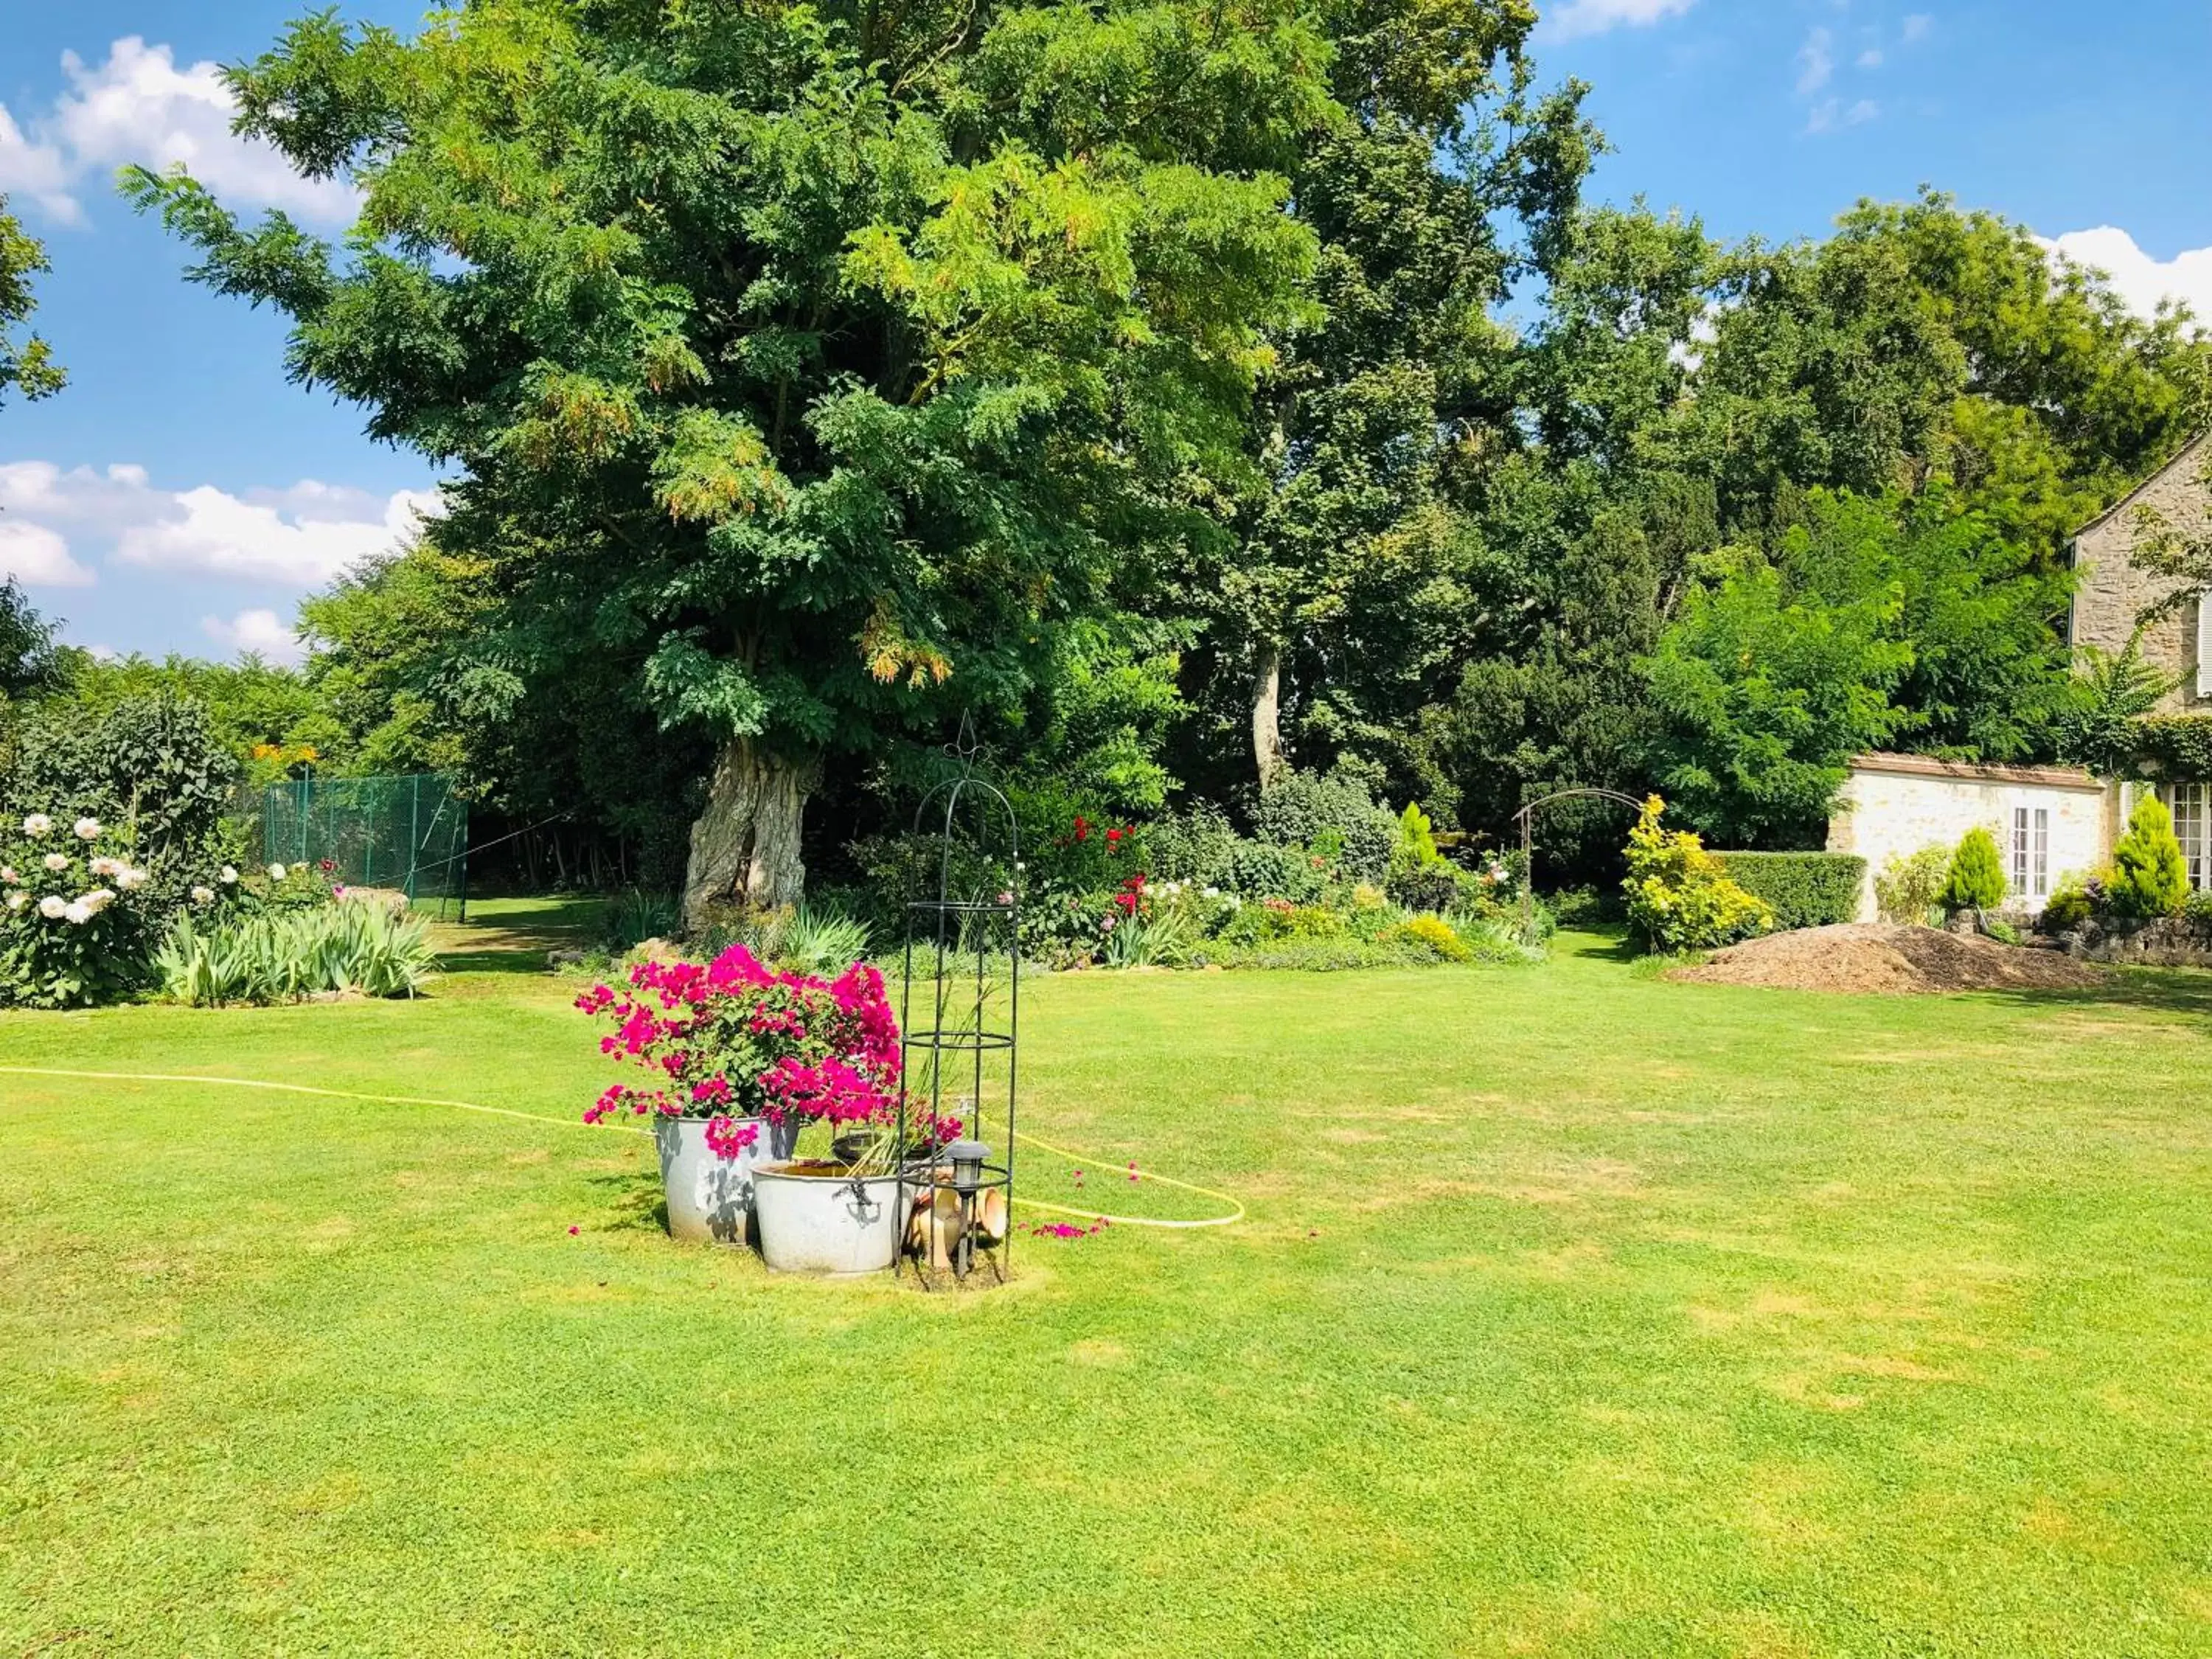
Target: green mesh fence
[{"x": 410, "y": 833}]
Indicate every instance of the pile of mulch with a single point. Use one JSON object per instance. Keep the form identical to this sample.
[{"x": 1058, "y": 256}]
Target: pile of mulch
[{"x": 1874, "y": 957}]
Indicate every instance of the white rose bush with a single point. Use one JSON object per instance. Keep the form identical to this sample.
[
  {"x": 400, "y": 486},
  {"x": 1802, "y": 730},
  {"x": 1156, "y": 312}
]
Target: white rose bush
[{"x": 73, "y": 924}]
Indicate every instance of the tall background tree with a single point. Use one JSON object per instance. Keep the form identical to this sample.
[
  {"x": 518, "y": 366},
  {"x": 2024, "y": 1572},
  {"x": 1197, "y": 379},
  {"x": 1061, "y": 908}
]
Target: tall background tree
[
  {"x": 804, "y": 369},
  {"x": 1333, "y": 617}
]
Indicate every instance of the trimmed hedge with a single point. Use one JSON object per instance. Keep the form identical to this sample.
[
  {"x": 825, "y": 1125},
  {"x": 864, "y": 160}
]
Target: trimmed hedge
[{"x": 1803, "y": 890}]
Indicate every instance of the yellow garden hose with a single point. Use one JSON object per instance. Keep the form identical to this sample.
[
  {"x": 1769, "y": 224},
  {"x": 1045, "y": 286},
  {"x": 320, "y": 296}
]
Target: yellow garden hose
[
  {"x": 305, "y": 1089},
  {"x": 1131, "y": 1220},
  {"x": 577, "y": 1123}
]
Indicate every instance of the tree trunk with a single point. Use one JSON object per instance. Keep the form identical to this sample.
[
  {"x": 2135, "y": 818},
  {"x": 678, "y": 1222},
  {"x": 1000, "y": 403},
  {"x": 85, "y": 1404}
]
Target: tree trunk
[
  {"x": 744, "y": 848},
  {"x": 1268, "y": 714}
]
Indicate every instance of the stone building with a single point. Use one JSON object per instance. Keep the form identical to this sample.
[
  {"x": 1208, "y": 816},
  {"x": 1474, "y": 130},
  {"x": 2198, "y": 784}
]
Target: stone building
[
  {"x": 2051, "y": 822},
  {"x": 2112, "y": 593}
]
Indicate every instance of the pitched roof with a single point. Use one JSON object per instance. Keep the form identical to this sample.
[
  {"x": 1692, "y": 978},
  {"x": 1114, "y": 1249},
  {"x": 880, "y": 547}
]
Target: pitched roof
[
  {"x": 2128, "y": 499},
  {"x": 1927, "y": 766}
]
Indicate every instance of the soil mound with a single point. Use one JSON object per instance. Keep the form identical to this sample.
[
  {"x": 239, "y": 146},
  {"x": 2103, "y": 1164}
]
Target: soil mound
[{"x": 1872, "y": 956}]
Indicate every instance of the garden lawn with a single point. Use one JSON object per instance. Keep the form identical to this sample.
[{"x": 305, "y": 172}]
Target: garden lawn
[{"x": 1577, "y": 1312}]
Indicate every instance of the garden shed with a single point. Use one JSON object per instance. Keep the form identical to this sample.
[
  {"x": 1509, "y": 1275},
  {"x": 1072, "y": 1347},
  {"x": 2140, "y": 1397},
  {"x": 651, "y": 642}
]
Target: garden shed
[{"x": 2049, "y": 821}]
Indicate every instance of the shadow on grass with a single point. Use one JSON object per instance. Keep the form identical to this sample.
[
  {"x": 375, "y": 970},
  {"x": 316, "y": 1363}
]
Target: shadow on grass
[
  {"x": 635, "y": 1203},
  {"x": 526, "y": 960},
  {"x": 516, "y": 936},
  {"x": 2167, "y": 990},
  {"x": 1597, "y": 944}
]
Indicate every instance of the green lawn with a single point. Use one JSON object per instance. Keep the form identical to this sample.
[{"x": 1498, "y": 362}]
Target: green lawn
[{"x": 1577, "y": 1313}]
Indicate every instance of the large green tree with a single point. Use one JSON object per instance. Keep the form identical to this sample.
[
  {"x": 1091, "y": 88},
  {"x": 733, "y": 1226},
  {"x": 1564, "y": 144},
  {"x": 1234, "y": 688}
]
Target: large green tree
[
  {"x": 1874, "y": 621},
  {"x": 801, "y": 367},
  {"x": 26, "y": 363},
  {"x": 1338, "y": 608}
]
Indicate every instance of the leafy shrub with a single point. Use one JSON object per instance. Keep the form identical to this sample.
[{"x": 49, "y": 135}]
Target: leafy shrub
[
  {"x": 1434, "y": 887},
  {"x": 1803, "y": 890},
  {"x": 638, "y": 916},
  {"x": 1435, "y": 935},
  {"x": 1417, "y": 838},
  {"x": 1501, "y": 943},
  {"x": 153, "y": 764},
  {"x": 2198, "y": 910},
  {"x": 2072, "y": 902},
  {"x": 1679, "y": 898},
  {"x": 1976, "y": 879},
  {"x": 74, "y": 913},
  {"x": 287, "y": 887},
  {"x": 1070, "y": 843},
  {"x": 1299, "y": 809},
  {"x": 284, "y": 956},
  {"x": 1262, "y": 870},
  {"x": 1907, "y": 889},
  {"x": 2002, "y": 931},
  {"x": 817, "y": 939},
  {"x": 1273, "y": 920},
  {"x": 1157, "y": 938},
  {"x": 1324, "y": 956},
  {"x": 2150, "y": 876},
  {"x": 1196, "y": 845},
  {"x": 1585, "y": 906}
]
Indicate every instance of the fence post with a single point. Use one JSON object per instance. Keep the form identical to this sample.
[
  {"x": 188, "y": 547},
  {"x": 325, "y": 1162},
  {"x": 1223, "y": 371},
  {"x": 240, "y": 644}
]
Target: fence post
[{"x": 413, "y": 830}]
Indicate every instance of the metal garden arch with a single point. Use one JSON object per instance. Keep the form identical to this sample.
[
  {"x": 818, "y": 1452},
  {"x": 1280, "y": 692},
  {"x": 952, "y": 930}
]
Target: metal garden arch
[{"x": 1526, "y": 818}]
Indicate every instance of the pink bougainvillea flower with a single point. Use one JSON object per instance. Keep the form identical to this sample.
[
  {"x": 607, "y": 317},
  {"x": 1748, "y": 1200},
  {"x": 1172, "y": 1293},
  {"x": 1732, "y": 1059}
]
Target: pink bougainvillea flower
[
  {"x": 726, "y": 1138},
  {"x": 573, "y": 1232},
  {"x": 732, "y": 1040}
]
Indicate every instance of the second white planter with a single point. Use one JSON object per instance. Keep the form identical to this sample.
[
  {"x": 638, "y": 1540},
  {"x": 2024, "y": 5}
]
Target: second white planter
[{"x": 817, "y": 1220}]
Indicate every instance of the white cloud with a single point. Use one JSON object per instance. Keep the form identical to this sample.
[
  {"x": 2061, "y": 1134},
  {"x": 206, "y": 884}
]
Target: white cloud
[
  {"x": 1833, "y": 114},
  {"x": 1918, "y": 27},
  {"x": 139, "y": 105},
  {"x": 1816, "y": 62},
  {"x": 302, "y": 536},
  {"x": 2136, "y": 277},
  {"x": 1871, "y": 58},
  {"x": 258, "y": 631},
  {"x": 37, "y": 557},
  {"x": 1580, "y": 17},
  {"x": 37, "y": 171}
]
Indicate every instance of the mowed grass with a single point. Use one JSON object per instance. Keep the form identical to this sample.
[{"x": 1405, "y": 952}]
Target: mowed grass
[{"x": 1577, "y": 1313}]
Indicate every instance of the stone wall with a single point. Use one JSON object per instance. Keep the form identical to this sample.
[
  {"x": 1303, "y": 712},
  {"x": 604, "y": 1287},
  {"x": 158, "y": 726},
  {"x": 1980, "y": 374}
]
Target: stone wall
[
  {"x": 1893, "y": 806},
  {"x": 2113, "y": 593},
  {"x": 2168, "y": 942}
]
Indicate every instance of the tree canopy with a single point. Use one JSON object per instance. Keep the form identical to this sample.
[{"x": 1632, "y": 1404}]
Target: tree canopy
[
  {"x": 26, "y": 363},
  {"x": 1187, "y": 391}
]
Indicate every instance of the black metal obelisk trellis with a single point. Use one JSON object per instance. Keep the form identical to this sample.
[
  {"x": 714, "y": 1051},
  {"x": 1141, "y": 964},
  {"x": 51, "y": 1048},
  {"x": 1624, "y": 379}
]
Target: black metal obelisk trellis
[{"x": 960, "y": 1014}]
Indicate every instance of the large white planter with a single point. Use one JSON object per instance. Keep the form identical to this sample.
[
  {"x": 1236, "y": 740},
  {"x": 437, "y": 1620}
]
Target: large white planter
[
  {"x": 710, "y": 1199},
  {"x": 825, "y": 1224}
]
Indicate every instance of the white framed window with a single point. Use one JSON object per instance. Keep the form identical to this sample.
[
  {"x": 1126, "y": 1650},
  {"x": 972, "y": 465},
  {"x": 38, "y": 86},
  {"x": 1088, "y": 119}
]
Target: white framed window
[
  {"x": 2021, "y": 834},
  {"x": 2204, "y": 643},
  {"x": 2191, "y": 807},
  {"x": 2039, "y": 854}
]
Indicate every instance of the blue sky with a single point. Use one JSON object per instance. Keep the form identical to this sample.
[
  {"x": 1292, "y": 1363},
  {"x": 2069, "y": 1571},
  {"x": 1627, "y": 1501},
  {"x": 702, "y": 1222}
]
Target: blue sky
[{"x": 181, "y": 495}]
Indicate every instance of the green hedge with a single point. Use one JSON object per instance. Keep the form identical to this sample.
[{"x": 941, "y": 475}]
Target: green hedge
[{"x": 1803, "y": 890}]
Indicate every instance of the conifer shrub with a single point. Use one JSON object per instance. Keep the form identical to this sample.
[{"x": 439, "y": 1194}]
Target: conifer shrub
[
  {"x": 2150, "y": 876},
  {"x": 1976, "y": 879}
]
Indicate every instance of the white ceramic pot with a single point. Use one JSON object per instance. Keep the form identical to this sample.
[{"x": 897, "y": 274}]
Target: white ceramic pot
[
  {"x": 824, "y": 1223},
  {"x": 710, "y": 1199}
]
